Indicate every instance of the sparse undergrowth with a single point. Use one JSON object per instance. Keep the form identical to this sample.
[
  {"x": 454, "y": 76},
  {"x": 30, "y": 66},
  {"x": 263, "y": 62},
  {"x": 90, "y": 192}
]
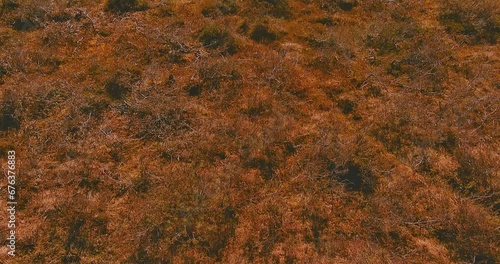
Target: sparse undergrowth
[
  {"x": 263, "y": 131},
  {"x": 474, "y": 22}
]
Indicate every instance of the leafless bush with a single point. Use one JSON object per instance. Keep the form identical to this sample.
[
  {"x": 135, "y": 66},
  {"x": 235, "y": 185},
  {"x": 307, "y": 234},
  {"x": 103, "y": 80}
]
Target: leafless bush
[
  {"x": 8, "y": 113},
  {"x": 215, "y": 37},
  {"x": 123, "y": 6},
  {"x": 120, "y": 84},
  {"x": 262, "y": 33}
]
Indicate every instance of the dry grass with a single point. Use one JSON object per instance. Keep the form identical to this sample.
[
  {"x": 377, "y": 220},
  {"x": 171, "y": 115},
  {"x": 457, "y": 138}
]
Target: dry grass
[{"x": 296, "y": 131}]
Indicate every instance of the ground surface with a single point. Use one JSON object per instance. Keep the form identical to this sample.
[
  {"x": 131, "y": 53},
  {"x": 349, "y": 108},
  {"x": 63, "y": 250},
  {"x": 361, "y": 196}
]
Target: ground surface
[{"x": 284, "y": 131}]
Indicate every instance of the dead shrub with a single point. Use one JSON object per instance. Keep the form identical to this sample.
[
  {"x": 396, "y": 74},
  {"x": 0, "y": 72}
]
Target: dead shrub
[
  {"x": 124, "y": 6},
  {"x": 194, "y": 89},
  {"x": 264, "y": 164},
  {"x": 347, "y": 5},
  {"x": 120, "y": 84},
  {"x": 346, "y": 105},
  {"x": 8, "y": 114},
  {"x": 216, "y": 37},
  {"x": 22, "y": 24},
  {"x": 353, "y": 177},
  {"x": 263, "y": 34},
  {"x": 116, "y": 90}
]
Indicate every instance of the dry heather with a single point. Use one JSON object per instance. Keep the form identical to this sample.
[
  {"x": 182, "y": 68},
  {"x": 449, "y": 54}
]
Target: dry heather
[{"x": 260, "y": 131}]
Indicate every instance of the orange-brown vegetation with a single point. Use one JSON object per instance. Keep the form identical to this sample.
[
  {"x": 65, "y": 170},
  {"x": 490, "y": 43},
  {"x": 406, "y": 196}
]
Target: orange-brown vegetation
[{"x": 260, "y": 131}]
